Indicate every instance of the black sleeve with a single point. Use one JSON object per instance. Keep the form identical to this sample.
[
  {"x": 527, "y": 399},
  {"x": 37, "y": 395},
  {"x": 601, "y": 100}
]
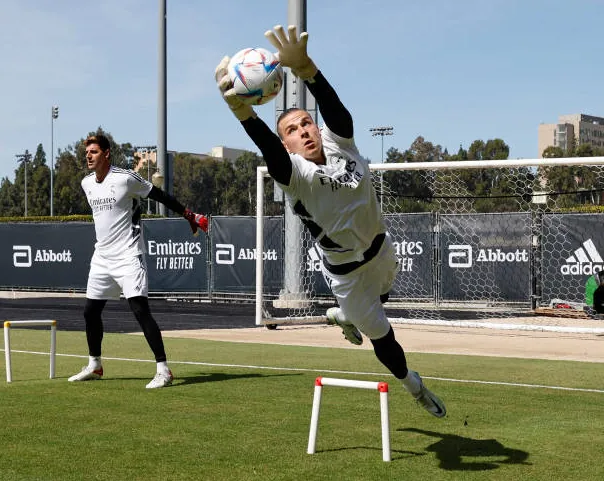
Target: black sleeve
[
  {"x": 275, "y": 155},
  {"x": 334, "y": 114},
  {"x": 166, "y": 199}
]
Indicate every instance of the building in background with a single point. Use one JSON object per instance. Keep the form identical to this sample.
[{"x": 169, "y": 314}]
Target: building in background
[
  {"x": 220, "y": 152},
  {"x": 580, "y": 128},
  {"x": 226, "y": 153}
]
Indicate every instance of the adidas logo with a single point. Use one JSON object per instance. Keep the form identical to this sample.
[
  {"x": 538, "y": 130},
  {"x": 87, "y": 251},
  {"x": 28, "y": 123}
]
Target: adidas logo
[
  {"x": 586, "y": 260},
  {"x": 313, "y": 260}
]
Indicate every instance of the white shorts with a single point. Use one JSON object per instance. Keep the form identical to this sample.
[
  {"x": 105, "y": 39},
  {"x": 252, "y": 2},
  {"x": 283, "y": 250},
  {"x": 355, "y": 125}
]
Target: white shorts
[
  {"x": 358, "y": 293},
  {"x": 109, "y": 278}
]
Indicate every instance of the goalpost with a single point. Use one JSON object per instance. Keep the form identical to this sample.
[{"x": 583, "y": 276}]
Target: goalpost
[{"x": 480, "y": 244}]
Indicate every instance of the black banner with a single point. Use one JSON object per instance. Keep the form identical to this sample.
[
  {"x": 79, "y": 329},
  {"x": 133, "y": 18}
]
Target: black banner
[
  {"x": 412, "y": 238},
  {"x": 313, "y": 279},
  {"x": 46, "y": 255},
  {"x": 176, "y": 260},
  {"x": 234, "y": 254},
  {"x": 571, "y": 251},
  {"x": 485, "y": 257},
  {"x": 478, "y": 256}
]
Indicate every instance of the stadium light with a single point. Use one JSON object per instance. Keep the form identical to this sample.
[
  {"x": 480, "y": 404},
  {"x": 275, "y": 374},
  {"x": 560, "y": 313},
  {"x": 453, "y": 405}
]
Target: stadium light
[
  {"x": 381, "y": 132},
  {"x": 54, "y": 114},
  {"x": 25, "y": 158}
]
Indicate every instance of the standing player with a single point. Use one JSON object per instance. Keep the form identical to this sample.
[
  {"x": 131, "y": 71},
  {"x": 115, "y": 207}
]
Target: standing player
[
  {"x": 118, "y": 263},
  {"x": 329, "y": 185}
]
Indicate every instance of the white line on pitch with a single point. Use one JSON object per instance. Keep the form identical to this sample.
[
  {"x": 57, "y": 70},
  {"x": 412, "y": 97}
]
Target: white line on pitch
[{"x": 331, "y": 371}]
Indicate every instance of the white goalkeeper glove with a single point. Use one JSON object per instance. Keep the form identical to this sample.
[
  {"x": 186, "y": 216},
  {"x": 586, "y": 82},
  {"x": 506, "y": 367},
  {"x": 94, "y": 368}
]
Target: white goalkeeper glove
[
  {"x": 292, "y": 51},
  {"x": 241, "y": 110}
]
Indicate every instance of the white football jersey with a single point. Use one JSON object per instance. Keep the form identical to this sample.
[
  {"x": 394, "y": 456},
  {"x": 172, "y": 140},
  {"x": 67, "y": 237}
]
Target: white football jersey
[
  {"x": 336, "y": 201},
  {"x": 116, "y": 210}
]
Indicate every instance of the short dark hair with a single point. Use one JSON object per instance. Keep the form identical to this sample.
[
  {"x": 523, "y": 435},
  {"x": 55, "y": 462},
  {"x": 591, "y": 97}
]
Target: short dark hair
[
  {"x": 283, "y": 114},
  {"x": 100, "y": 140}
]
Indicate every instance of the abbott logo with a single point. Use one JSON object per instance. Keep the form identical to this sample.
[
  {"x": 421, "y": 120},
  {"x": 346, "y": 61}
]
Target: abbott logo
[
  {"x": 586, "y": 260},
  {"x": 22, "y": 256},
  {"x": 225, "y": 254},
  {"x": 460, "y": 256}
]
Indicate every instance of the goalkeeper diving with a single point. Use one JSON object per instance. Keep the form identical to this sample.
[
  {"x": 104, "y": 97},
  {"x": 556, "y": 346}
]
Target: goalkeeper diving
[{"x": 330, "y": 189}]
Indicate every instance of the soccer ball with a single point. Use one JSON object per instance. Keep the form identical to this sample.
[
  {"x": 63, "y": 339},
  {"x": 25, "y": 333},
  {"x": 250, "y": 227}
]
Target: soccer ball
[{"x": 256, "y": 74}]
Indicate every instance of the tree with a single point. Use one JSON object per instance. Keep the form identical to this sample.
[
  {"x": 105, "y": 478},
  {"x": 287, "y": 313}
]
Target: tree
[
  {"x": 476, "y": 150},
  {"x": 224, "y": 188},
  {"x": 460, "y": 155},
  {"x": 552, "y": 152},
  {"x": 584, "y": 150},
  {"x": 39, "y": 195},
  {"x": 9, "y": 199},
  {"x": 408, "y": 187},
  {"x": 245, "y": 182},
  {"x": 423, "y": 151},
  {"x": 193, "y": 181},
  {"x": 496, "y": 149},
  {"x": 71, "y": 169},
  {"x": 572, "y": 185}
]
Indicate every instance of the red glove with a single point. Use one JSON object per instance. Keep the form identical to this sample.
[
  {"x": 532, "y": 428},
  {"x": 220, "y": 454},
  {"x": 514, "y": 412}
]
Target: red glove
[{"x": 196, "y": 221}]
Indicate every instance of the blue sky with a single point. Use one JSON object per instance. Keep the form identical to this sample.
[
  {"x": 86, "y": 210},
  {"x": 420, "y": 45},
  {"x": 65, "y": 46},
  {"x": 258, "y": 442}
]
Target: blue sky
[{"x": 451, "y": 71}]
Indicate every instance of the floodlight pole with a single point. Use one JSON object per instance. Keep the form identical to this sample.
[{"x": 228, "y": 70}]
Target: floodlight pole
[
  {"x": 381, "y": 131},
  {"x": 295, "y": 91},
  {"x": 54, "y": 114},
  {"x": 162, "y": 159}
]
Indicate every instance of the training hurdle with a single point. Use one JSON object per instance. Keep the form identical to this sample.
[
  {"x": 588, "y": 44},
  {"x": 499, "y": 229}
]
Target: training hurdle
[
  {"x": 53, "y": 343},
  {"x": 382, "y": 387}
]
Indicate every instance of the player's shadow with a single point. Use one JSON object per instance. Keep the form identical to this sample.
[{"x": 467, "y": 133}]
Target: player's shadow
[
  {"x": 202, "y": 378},
  {"x": 220, "y": 376},
  {"x": 455, "y": 453},
  {"x": 402, "y": 454}
]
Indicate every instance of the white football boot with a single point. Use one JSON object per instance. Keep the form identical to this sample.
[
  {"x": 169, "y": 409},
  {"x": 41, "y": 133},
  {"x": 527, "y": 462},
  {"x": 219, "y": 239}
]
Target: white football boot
[
  {"x": 351, "y": 333},
  {"x": 88, "y": 373},
  {"x": 427, "y": 399},
  {"x": 161, "y": 379}
]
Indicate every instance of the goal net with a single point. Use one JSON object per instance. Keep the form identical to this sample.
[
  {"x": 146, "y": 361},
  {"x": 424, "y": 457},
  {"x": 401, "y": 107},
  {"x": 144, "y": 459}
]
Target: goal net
[{"x": 497, "y": 243}]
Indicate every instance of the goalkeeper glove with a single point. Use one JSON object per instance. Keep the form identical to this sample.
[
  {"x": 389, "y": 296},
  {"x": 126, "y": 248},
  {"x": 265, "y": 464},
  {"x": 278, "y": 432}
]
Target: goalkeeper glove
[
  {"x": 292, "y": 51},
  {"x": 241, "y": 110},
  {"x": 196, "y": 221}
]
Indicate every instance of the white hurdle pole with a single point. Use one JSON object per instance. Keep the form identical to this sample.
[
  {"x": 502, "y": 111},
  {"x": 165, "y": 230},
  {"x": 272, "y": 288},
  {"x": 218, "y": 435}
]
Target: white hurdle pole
[
  {"x": 382, "y": 387},
  {"x": 53, "y": 344}
]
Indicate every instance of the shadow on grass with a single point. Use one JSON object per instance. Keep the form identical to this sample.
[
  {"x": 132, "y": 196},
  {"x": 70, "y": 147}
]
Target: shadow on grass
[
  {"x": 219, "y": 376},
  {"x": 200, "y": 378},
  {"x": 455, "y": 453},
  {"x": 403, "y": 454}
]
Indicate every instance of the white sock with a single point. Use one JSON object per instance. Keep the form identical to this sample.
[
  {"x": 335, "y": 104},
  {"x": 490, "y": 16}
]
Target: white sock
[
  {"x": 94, "y": 362},
  {"x": 340, "y": 316},
  {"x": 411, "y": 383},
  {"x": 162, "y": 367}
]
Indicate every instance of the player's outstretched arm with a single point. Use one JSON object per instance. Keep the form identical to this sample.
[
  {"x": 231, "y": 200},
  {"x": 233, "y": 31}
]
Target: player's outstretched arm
[
  {"x": 274, "y": 153},
  {"x": 196, "y": 221},
  {"x": 292, "y": 53}
]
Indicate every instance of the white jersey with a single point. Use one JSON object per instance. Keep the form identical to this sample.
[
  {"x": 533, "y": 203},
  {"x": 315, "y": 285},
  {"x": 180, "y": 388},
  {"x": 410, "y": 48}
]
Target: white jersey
[
  {"x": 336, "y": 201},
  {"x": 116, "y": 210}
]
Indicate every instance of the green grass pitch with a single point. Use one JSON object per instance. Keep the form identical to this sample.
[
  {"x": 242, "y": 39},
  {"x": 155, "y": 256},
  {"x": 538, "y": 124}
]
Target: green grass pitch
[{"x": 242, "y": 412}]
